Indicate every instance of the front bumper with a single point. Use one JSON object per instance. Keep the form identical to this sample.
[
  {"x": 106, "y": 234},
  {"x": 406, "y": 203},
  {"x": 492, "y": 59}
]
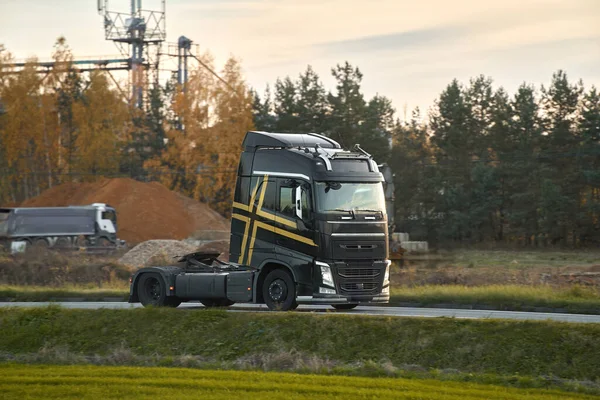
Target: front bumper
[
  {"x": 338, "y": 299},
  {"x": 354, "y": 282}
]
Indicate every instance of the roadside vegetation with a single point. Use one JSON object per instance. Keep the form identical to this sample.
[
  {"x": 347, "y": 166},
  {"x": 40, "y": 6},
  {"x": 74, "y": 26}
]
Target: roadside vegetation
[
  {"x": 525, "y": 354},
  {"x": 59, "y": 382},
  {"x": 579, "y": 300},
  {"x": 559, "y": 281}
]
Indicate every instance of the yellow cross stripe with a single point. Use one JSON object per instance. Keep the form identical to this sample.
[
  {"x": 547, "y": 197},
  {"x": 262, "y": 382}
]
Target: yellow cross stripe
[
  {"x": 240, "y": 206},
  {"x": 285, "y": 233},
  {"x": 245, "y": 238},
  {"x": 253, "y": 197},
  {"x": 240, "y": 217},
  {"x": 277, "y": 219},
  {"x": 262, "y": 192},
  {"x": 251, "y": 248},
  {"x": 260, "y": 203}
]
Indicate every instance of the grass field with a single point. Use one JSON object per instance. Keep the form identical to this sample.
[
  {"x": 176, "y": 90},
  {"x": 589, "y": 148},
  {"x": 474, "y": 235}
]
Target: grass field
[
  {"x": 68, "y": 382},
  {"x": 299, "y": 341}
]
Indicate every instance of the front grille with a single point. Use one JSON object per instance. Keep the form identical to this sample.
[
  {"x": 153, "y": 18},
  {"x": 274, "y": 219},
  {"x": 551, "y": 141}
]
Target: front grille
[
  {"x": 359, "y": 278},
  {"x": 359, "y": 287},
  {"x": 358, "y": 272}
]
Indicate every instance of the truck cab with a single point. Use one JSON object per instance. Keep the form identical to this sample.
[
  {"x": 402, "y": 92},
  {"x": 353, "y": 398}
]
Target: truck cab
[
  {"x": 308, "y": 225},
  {"x": 311, "y": 217}
]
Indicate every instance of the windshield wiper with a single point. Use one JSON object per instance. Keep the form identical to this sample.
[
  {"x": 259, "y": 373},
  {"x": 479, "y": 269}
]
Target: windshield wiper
[
  {"x": 368, "y": 210},
  {"x": 340, "y": 209}
]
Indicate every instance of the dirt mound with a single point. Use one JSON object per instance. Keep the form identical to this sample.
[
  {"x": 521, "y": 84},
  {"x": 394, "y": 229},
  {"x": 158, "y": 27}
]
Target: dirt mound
[
  {"x": 145, "y": 211},
  {"x": 156, "y": 252}
]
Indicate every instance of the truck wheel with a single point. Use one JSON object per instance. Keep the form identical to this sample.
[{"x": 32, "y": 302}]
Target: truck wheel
[
  {"x": 279, "y": 291},
  {"x": 152, "y": 290},
  {"x": 103, "y": 242},
  {"x": 217, "y": 303},
  {"x": 41, "y": 243},
  {"x": 62, "y": 242},
  {"x": 344, "y": 306}
]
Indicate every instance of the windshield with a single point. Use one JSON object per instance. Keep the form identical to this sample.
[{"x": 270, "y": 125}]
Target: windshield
[
  {"x": 111, "y": 215},
  {"x": 337, "y": 196}
]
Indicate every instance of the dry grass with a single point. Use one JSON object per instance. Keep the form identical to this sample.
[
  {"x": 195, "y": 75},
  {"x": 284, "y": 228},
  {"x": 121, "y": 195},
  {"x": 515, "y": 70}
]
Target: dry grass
[{"x": 47, "y": 268}]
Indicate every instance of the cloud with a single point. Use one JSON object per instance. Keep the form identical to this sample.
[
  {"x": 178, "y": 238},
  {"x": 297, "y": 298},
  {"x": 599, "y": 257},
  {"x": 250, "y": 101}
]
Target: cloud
[{"x": 395, "y": 41}]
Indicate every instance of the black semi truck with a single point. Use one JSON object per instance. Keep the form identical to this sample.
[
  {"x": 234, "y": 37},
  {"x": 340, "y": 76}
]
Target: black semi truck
[
  {"x": 93, "y": 225},
  {"x": 309, "y": 226}
]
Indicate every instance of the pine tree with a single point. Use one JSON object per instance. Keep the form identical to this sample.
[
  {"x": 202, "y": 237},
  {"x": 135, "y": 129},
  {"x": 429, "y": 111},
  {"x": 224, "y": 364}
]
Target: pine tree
[
  {"x": 347, "y": 106},
  {"x": 264, "y": 120},
  {"x": 561, "y": 189},
  {"x": 311, "y": 103},
  {"x": 376, "y": 131},
  {"x": 454, "y": 148},
  {"x": 286, "y": 106},
  {"x": 589, "y": 168},
  {"x": 518, "y": 154}
]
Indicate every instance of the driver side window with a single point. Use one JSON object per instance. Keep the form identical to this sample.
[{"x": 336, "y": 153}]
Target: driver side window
[
  {"x": 286, "y": 201},
  {"x": 294, "y": 200}
]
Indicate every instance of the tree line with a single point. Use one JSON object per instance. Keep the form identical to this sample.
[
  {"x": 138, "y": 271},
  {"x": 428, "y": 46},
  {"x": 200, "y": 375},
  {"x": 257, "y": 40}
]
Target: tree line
[{"x": 481, "y": 167}]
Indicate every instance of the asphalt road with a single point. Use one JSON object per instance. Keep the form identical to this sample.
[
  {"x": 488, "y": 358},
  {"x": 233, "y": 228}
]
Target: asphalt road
[{"x": 364, "y": 310}]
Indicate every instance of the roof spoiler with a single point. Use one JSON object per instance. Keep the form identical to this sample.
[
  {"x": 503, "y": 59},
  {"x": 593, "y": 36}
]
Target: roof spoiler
[{"x": 256, "y": 139}]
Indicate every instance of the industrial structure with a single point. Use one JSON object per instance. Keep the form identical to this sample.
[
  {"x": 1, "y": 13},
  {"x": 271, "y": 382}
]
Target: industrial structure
[{"x": 140, "y": 36}]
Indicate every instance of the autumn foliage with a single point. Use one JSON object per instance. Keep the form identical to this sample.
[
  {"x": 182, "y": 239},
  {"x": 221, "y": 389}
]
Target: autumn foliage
[{"x": 66, "y": 126}]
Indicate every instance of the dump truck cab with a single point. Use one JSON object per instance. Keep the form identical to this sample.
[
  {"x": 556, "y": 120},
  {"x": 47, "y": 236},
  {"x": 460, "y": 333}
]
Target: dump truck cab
[{"x": 311, "y": 218}]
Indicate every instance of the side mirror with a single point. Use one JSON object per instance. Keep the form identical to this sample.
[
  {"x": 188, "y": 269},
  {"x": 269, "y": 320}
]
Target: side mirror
[{"x": 298, "y": 198}]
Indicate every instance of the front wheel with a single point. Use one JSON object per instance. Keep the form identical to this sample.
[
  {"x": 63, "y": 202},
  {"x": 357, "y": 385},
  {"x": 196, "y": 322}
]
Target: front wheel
[
  {"x": 279, "y": 291},
  {"x": 344, "y": 306}
]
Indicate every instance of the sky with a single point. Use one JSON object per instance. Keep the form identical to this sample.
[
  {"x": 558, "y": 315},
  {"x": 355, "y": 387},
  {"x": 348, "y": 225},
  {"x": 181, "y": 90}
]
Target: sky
[{"x": 408, "y": 51}]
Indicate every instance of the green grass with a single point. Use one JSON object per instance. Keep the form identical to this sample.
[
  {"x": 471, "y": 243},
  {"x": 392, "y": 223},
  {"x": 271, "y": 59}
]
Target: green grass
[
  {"x": 64, "y": 382},
  {"x": 297, "y": 340},
  {"x": 575, "y": 299}
]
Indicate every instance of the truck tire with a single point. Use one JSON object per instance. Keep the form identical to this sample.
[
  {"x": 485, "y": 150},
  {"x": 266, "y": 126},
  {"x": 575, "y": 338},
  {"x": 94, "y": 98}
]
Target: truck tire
[
  {"x": 103, "y": 242},
  {"x": 217, "y": 303},
  {"x": 152, "y": 292},
  {"x": 41, "y": 243},
  {"x": 279, "y": 291},
  {"x": 344, "y": 306}
]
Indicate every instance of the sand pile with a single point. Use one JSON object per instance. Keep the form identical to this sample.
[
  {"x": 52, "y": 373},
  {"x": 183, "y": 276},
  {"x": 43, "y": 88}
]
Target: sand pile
[
  {"x": 156, "y": 252},
  {"x": 164, "y": 252},
  {"x": 145, "y": 211}
]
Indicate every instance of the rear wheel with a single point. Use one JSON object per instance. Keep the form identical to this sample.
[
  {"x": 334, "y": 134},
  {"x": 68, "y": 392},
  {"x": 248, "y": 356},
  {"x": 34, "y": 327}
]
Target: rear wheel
[
  {"x": 279, "y": 291},
  {"x": 62, "y": 242},
  {"x": 41, "y": 243},
  {"x": 152, "y": 292},
  {"x": 217, "y": 303},
  {"x": 344, "y": 306},
  {"x": 103, "y": 242}
]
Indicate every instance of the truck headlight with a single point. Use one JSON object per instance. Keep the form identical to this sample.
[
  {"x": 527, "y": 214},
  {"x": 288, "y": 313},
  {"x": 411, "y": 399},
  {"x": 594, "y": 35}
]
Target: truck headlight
[{"x": 326, "y": 275}]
